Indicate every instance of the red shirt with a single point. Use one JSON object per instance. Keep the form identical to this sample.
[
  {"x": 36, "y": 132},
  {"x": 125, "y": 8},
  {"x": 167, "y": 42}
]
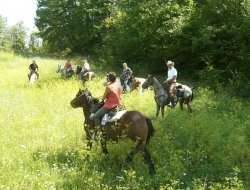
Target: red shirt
[
  {"x": 112, "y": 95},
  {"x": 68, "y": 65}
]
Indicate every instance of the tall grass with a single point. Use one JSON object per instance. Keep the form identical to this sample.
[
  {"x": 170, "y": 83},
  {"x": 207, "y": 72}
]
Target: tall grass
[{"x": 42, "y": 141}]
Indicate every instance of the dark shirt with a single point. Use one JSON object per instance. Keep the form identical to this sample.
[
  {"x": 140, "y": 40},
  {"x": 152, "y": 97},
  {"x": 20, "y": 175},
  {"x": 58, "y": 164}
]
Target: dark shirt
[
  {"x": 33, "y": 66},
  {"x": 126, "y": 74}
]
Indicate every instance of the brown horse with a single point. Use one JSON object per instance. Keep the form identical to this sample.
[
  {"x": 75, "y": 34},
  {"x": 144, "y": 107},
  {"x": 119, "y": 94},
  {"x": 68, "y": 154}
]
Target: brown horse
[
  {"x": 132, "y": 124},
  {"x": 136, "y": 83}
]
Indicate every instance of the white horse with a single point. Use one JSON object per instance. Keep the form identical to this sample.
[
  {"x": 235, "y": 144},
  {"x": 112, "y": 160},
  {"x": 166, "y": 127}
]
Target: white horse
[{"x": 32, "y": 78}]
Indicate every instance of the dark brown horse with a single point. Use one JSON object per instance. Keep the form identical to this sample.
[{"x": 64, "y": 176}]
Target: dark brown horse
[{"x": 131, "y": 125}]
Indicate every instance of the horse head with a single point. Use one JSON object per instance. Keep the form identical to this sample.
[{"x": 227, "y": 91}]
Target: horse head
[
  {"x": 149, "y": 82},
  {"x": 78, "y": 69},
  {"x": 83, "y": 98}
]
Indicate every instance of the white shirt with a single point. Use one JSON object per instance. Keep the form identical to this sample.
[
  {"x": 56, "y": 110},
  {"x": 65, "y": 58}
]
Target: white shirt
[
  {"x": 86, "y": 66},
  {"x": 171, "y": 73}
]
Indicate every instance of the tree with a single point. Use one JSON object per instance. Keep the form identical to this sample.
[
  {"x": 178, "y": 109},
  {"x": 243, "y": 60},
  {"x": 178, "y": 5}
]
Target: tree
[
  {"x": 35, "y": 42},
  {"x": 18, "y": 36},
  {"x": 144, "y": 32},
  {"x": 72, "y": 24}
]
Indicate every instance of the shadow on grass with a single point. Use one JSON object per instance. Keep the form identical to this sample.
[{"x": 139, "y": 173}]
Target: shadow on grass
[{"x": 88, "y": 169}]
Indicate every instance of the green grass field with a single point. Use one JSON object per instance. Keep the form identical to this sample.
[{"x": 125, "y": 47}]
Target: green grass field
[{"x": 42, "y": 141}]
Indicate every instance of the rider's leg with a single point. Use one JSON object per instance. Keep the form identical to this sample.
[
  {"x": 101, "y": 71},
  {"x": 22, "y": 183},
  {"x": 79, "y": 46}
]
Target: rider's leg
[
  {"x": 126, "y": 86},
  {"x": 81, "y": 75},
  {"x": 172, "y": 94},
  {"x": 37, "y": 74},
  {"x": 98, "y": 116}
]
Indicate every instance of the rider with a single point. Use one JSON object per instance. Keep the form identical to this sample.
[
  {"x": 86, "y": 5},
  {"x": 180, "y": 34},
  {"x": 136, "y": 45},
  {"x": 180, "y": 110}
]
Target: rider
[
  {"x": 68, "y": 66},
  {"x": 33, "y": 68},
  {"x": 111, "y": 98},
  {"x": 85, "y": 69},
  {"x": 171, "y": 82},
  {"x": 125, "y": 76}
]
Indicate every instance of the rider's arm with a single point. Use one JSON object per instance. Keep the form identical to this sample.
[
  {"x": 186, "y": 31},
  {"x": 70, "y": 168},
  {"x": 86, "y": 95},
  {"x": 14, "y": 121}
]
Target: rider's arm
[
  {"x": 130, "y": 72},
  {"x": 105, "y": 93},
  {"x": 172, "y": 79}
]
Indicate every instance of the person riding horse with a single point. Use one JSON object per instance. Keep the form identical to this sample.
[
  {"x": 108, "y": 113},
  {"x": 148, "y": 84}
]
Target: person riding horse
[
  {"x": 68, "y": 68},
  {"x": 85, "y": 69},
  {"x": 170, "y": 83},
  {"x": 33, "y": 69},
  {"x": 111, "y": 97},
  {"x": 125, "y": 76}
]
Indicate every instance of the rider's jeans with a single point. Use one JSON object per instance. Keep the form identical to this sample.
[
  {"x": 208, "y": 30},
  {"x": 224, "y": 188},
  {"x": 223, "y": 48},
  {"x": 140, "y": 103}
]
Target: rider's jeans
[{"x": 99, "y": 114}]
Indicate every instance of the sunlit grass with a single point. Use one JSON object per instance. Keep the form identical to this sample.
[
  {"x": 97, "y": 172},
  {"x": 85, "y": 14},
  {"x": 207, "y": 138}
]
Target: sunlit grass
[{"x": 42, "y": 141}]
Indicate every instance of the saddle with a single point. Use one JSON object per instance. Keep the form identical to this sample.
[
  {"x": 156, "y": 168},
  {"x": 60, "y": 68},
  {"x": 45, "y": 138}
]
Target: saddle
[{"x": 113, "y": 115}]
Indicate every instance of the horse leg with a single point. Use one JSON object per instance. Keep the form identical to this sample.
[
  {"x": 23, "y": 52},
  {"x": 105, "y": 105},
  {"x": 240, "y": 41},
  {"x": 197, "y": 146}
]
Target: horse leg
[
  {"x": 162, "y": 110},
  {"x": 104, "y": 143},
  {"x": 131, "y": 154},
  {"x": 157, "y": 109},
  {"x": 134, "y": 151},
  {"x": 149, "y": 161},
  {"x": 181, "y": 103},
  {"x": 88, "y": 137},
  {"x": 141, "y": 145},
  {"x": 189, "y": 108},
  {"x": 188, "y": 105}
]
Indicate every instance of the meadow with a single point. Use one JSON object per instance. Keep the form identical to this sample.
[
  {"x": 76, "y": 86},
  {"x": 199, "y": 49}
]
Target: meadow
[{"x": 43, "y": 146}]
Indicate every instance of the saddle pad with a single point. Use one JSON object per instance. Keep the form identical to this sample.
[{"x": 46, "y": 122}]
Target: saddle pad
[{"x": 107, "y": 118}]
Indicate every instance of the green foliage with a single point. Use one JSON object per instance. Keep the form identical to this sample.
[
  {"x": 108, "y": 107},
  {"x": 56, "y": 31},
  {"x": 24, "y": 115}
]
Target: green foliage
[
  {"x": 71, "y": 24},
  {"x": 13, "y": 37},
  {"x": 42, "y": 141},
  {"x": 207, "y": 39}
]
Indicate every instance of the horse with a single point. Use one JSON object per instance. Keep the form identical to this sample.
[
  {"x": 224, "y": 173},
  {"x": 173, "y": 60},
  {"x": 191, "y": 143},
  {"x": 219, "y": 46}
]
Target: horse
[
  {"x": 136, "y": 83},
  {"x": 32, "y": 78},
  {"x": 161, "y": 97},
  {"x": 184, "y": 94},
  {"x": 132, "y": 124},
  {"x": 88, "y": 76}
]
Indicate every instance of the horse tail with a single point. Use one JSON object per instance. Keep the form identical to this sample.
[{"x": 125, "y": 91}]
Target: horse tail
[
  {"x": 151, "y": 129},
  {"x": 192, "y": 96}
]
